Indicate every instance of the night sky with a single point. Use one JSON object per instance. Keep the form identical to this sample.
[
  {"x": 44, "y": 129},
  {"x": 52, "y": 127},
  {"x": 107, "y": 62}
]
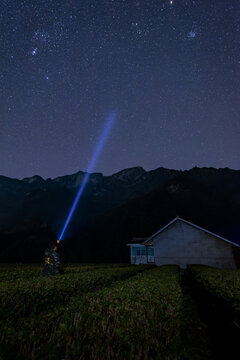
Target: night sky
[{"x": 169, "y": 69}]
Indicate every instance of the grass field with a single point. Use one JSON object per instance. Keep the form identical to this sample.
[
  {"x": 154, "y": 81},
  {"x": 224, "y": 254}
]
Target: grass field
[{"x": 108, "y": 311}]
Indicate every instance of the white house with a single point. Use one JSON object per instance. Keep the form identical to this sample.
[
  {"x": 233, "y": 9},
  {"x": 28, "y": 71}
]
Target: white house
[{"x": 182, "y": 242}]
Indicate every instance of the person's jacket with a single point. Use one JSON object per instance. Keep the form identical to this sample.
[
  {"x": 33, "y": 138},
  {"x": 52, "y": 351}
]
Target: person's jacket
[{"x": 51, "y": 262}]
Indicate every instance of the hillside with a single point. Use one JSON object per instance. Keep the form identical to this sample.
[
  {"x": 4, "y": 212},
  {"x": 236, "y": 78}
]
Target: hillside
[{"x": 113, "y": 209}]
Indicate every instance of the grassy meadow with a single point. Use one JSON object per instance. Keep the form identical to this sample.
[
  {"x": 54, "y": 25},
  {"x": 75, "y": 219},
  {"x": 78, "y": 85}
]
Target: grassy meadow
[{"x": 114, "y": 311}]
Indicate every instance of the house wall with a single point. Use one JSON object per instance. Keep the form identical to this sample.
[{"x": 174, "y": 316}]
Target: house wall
[
  {"x": 183, "y": 244},
  {"x": 137, "y": 260},
  {"x": 141, "y": 259}
]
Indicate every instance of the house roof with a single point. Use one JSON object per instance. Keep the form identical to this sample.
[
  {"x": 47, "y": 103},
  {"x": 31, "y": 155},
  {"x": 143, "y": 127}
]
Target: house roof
[
  {"x": 148, "y": 241},
  {"x": 138, "y": 240}
]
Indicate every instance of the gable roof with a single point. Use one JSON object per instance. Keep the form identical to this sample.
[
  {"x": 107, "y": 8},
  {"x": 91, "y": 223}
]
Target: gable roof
[
  {"x": 138, "y": 240},
  {"x": 149, "y": 240}
]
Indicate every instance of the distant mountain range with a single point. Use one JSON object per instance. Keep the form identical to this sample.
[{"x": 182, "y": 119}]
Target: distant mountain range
[{"x": 112, "y": 210}]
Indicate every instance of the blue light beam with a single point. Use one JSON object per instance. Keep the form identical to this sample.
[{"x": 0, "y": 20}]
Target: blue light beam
[{"x": 110, "y": 120}]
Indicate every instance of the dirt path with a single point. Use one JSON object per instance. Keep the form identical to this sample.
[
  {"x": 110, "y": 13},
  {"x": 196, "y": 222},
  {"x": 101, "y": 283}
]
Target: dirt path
[
  {"x": 197, "y": 332},
  {"x": 220, "y": 341}
]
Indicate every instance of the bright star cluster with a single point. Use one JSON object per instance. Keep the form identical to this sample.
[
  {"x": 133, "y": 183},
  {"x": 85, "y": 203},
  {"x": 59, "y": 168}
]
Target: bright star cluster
[{"x": 169, "y": 69}]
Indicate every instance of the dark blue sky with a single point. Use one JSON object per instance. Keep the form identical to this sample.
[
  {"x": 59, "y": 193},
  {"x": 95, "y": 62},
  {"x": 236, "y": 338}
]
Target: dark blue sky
[{"x": 169, "y": 69}]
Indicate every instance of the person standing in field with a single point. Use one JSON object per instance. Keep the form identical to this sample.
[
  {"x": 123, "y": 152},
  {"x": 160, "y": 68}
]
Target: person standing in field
[{"x": 51, "y": 259}]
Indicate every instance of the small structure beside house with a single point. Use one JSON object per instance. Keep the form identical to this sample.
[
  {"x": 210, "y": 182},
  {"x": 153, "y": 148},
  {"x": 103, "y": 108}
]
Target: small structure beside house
[
  {"x": 141, "y": 254},
  {"x": 182, "y": 242}
]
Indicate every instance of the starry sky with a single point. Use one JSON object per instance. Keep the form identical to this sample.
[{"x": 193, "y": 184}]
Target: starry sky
[{"x": 169, "y": 69}]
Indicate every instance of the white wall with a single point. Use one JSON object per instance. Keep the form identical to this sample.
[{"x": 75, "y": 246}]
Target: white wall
[
  {"x": 183, "y": 244},
  {"x": 138, "y": 259}
]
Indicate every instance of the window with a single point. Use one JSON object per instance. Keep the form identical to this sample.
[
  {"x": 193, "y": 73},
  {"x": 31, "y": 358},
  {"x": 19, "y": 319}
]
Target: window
[
  {"x": 151, "y": 251},
  {"x": 141, "y": 251},
  {"x": 138, "y": 251}
]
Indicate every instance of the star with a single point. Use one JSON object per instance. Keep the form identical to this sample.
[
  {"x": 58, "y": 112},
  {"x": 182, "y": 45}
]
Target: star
[
  {"x": 192, "y": 34},
  {"x": 34, "y": 52},
  {"x": 41, "y": 36}
]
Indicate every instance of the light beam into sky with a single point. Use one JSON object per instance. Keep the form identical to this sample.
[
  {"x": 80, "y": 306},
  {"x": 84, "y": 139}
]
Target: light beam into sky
[{"x": 110, "y": 120}]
